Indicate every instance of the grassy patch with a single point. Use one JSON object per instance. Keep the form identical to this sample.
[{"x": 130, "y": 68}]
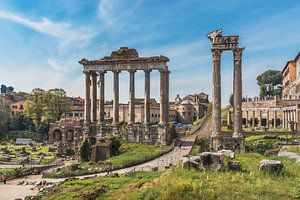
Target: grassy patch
[
  {"x": 111, "y": 188},
  {"x": 14, "y": 172},
  {"x": 294, "y": 148},
  {"x": 131, "y": 154},
  {"x": 48, "y": 158},
  {"x": 249, "y": 184},
  {"x": 179, "y": 184}
]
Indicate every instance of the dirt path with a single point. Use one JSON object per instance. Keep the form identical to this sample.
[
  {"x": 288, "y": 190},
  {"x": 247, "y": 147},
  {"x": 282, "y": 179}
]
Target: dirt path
[{"x": 13, "y": 191}]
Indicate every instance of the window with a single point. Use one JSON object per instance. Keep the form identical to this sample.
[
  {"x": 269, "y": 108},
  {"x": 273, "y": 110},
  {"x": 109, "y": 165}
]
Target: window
[{"x": 76, "y": 114}]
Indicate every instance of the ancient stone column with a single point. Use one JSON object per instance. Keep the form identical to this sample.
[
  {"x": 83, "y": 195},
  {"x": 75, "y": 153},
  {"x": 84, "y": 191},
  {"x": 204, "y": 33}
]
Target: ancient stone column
[
  {"x": 94, "y": 96},
  {"x": 259, "y": 117},
  {"x": 237, "y": 92},
  {"x": 116, "y": 99},
  {"x": 229, "y": 118},
  {"x": 247, "y": 118},
  {"x": 162, "y": 99},
  {"x": 216, "y": 100},
  {"x": 268, "y": 118},
  {"x": 131, "y": 97},
  {"x": 253, "y": 118},
  {"x": 87, "y": 102},
  {"x": 275, "y": 117},
  {"x": 285, "y": 119},
  {"x": 101, "y": 84},
  {"x": 167, "y": 74},
  {"x": 147, "y": 97}
]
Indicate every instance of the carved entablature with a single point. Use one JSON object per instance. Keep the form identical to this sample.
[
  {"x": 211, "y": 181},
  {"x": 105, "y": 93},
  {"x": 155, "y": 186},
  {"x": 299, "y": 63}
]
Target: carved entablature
[
  {"x": 125, "y": 59},
  {"x": 216, "y": 54},
  {"x": 226, "y": 42},
  {"x": 223, "y": 42}
]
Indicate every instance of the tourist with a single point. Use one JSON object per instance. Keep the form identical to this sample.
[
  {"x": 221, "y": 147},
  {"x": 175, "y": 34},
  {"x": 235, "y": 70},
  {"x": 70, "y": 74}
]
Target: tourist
[
  {"x": 109, "y": 169},
  {"x": 180, "y": 143},
  {"x": 4, "y": 178}
]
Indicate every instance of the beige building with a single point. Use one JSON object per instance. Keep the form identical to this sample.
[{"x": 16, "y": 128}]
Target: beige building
[
  {"x": 17, "y": 107},
  {"x": 190, "y": 108},
  {"x": 182, "y": 110},
  {"x": 291, "y": 78}
]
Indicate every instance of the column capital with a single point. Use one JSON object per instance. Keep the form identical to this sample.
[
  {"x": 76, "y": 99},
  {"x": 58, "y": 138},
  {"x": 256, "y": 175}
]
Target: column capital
[
  {"x": 216, "y": 54},
  {"x": 101, "y": 72},
  {"x": 132, "y": 70},
  {"x": 86, "y": 72},
  {"x": 237, "y": 53},
  {"x": 93, "y": 74},
  {"x": 116, "y": 71},
  {"x": 147, "y": 70}
]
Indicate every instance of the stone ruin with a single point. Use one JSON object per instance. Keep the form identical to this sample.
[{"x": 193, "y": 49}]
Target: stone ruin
[
  {"x": 104, "y": 149},
  {"x": 222, "y": 43}
]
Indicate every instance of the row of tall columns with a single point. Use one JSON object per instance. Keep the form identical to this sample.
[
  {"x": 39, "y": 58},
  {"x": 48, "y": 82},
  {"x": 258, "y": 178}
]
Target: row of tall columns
[
  {"x": 91, "y": 103},
  {"x": 237, "y": 90},
  {"x": 289, "y": 116}
]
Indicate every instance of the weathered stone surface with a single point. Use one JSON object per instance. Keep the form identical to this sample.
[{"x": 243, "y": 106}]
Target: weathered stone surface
[
  {"x": 234, "y": 165},
  {"x": 273, "y": 166},
  {"x": 227, "y": 153},
  {"x": 196, "y": 159},
  {"x": 212, "y": 161},
  {"x": 271, "y": 152},
  {"x": 187, "y": 163}
]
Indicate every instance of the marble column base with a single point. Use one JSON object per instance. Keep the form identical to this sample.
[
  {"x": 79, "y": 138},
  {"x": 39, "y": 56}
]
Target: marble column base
[{"x": 216, "y": 142}]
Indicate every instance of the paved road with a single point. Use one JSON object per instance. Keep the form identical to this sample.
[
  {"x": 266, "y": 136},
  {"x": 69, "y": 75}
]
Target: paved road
[{"x": 13, "y": 191}]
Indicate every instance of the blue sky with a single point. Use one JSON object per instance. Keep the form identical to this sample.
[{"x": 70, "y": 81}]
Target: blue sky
[{"x": 41, "y": 42}]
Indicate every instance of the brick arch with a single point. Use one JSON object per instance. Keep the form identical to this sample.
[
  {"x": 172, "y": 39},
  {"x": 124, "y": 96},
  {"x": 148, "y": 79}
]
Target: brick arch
[{"x": 57, "y": 135}]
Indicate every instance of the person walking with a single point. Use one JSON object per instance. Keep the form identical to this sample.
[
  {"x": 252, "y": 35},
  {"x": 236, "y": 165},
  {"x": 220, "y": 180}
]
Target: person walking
[{"x": 4, "y": 178}]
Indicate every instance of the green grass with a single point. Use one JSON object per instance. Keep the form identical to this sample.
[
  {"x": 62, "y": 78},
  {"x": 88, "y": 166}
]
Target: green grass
[
  {"x": 131, "y": 154},
  {"x": 106, "y": 188},
  {"x": 14, "y": 172},
  {"x": 249, "y": 184},
  {"x": 294, "y": 148},
  {"x": 178, "y": 184},
  {"x": 48, "y": 158}
]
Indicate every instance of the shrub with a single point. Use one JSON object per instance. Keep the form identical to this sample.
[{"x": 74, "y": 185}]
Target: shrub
[
  {"x": 260, "y": 144},
  {"x": 69, "y": 152},
  {"x": 85, "y": 151}
]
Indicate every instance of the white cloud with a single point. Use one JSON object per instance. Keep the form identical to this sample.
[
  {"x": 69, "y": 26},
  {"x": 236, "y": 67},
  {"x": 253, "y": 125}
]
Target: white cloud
[
  {"x": 116, "y": 13},
  {"x": 67, "y": 35}
]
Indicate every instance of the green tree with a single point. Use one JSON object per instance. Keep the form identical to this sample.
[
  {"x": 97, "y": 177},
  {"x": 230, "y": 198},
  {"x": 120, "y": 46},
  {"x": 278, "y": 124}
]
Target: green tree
[
  {"x": 268, "y": 80},
  {"x": 85, "y": 151},
  {"x": 35, "y": 107},
  {"x": 4, "y": 115},
  {"x": 57, "y": 104},
  {"x": 20, "y": 122}
]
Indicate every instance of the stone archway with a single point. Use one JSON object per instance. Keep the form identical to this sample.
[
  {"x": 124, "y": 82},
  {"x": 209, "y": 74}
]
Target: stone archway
[{"x": 57, "y": 135}]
